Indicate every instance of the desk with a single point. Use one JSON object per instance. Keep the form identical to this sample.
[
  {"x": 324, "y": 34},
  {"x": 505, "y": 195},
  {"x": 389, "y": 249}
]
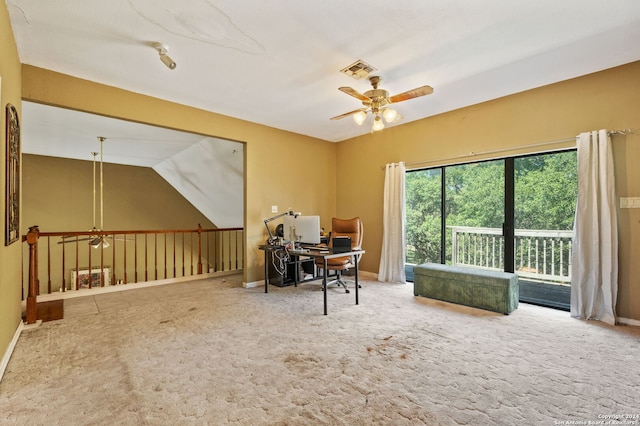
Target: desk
[{"x": 316, "y": 254}]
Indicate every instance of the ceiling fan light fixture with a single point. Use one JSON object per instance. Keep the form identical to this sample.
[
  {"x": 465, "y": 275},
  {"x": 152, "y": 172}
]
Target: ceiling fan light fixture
[
  {"x": 378, "y": 124},
  {"x": 359, "y": 117},
  {"x": 390, "y": 115},
  {"x": 98, "y": 241}
]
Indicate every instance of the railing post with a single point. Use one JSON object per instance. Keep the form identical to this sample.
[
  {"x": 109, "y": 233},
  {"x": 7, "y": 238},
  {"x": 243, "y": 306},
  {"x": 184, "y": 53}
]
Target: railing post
[
  {"x": 32, "y": 240},
  {"x": 199, "y": 249},
  {"x": 454, "y": 245}
]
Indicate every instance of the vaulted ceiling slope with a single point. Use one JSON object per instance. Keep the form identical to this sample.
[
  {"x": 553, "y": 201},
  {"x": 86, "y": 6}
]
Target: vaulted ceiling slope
[
  {"x": 277, "y": 62},
  {"x": 204, "y": 169}
]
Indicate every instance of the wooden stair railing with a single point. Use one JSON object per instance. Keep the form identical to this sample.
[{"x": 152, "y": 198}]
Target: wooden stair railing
[
  {"x": 125, "y": 257},
  {"x": 32, "y": 239}
]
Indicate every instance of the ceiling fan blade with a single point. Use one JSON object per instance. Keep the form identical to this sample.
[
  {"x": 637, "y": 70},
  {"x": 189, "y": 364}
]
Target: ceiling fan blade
[
  {"x": 410, "y": 94},
  {"x": 354, "y": 93},
  {"x": 66, "y": 240},
  {"x": 346, "y": 114}
]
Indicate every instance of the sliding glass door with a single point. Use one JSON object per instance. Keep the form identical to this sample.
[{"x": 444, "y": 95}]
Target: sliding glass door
[
  {"x": 514, "y": 214},
  {"x": 546, "y": 190},
  {"x": 474, "y": 206},
  {"x": 424, "y": 234}
]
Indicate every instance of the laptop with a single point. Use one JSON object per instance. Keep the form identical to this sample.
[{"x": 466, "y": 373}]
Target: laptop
[{"x": 341, "y": 244}]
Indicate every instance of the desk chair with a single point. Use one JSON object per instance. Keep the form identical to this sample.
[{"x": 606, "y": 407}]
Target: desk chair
[{"x": 344, "y": 228}]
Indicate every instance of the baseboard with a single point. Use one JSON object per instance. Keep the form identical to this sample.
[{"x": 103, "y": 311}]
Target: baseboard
[
  {"x": 123, "y": 287},
  {"x": 9, "y": 351},
  {"x": 371, "y": 276},
  {"x": 628, "y": 321}
]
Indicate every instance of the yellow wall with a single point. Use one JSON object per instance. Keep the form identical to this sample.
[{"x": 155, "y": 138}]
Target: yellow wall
[
  {"x": 274, "y": 174},
  {"x": 57, "y": 196},
  {"x": 10, "y": 271},
  {"x": 608, "y": 99}
]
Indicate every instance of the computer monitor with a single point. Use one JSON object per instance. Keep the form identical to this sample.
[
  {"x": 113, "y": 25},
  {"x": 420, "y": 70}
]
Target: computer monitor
[{"x": 302, "y": 229}]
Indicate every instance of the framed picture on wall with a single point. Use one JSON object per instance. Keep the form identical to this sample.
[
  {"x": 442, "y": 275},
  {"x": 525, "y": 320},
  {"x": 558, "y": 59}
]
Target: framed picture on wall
[
  {"x": 12, "y": 186},
  {"x": 90, "y": 278}
]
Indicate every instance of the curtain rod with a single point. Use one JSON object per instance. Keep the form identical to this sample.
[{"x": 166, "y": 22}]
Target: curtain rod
[
  {"x": 472, "y": 154},
  {"x": 626, "y": 131}
]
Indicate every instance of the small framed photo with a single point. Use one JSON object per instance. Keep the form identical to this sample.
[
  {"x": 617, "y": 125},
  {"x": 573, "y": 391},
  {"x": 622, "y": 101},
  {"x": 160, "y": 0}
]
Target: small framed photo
[{"x": 95, "y": 277}]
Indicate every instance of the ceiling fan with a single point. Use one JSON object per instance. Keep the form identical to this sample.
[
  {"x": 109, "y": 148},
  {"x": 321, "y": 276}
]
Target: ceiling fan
[
  {"x": 376, "y": 101},
  {"x": 95, "y": 240}
]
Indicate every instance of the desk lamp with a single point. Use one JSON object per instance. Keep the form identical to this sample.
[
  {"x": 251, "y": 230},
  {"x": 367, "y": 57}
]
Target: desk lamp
[{"x": 272, "y": 239}]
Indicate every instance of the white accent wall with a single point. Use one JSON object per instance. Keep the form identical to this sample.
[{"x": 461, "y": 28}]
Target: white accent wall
[{"x": 210, "y": 175}]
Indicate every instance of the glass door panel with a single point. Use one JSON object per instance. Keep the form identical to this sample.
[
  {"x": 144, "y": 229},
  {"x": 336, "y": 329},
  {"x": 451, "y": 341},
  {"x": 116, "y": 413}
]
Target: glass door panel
[
  {"x": 423, "y": 218},
  {"x": 546, "y": 189},
  {"x": 474, "y": 215}
]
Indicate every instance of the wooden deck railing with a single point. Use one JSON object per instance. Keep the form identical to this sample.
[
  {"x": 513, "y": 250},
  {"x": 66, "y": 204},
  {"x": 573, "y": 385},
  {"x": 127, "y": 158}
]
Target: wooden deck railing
[
  {"x": 70, "y": 261},
  {"x": 540, "y": 255}
]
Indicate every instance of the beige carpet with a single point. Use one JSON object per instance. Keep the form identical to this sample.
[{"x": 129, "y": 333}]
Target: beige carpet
[{"x": 210, "y": 352}]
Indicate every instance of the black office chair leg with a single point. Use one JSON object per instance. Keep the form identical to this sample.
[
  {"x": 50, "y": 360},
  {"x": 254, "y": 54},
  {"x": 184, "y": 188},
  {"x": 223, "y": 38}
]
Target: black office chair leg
[
  {"x": 343, "y": 284},
  {"x": 339, "y": 281}
]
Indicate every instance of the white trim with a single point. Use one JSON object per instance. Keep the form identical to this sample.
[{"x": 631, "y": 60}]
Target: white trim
[
  {"x": 9, "y": 351},
  {"x": 70, "y": 294},
  {"x": 364, "y": 274},
  {"x": 628, "y": 321},
  {"x": 259, "y": 283}
]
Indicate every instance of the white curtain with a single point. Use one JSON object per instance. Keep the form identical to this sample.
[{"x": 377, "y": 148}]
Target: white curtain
[
  {"x": 594, "y": 268},
  {"x": 393, "y": 241}
]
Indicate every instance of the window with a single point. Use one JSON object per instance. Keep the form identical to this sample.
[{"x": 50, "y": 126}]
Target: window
[
  {"x": 514, "y": 214},
  {"x": 474, "y": 206},
  {"x": 424, "y": 237}
]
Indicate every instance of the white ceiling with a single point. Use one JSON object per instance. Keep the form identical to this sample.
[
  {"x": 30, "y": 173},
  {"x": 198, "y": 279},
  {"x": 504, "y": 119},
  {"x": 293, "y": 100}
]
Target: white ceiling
[
  {"x": 59, "y": 132},
  {"x": 277, "y": 62}
]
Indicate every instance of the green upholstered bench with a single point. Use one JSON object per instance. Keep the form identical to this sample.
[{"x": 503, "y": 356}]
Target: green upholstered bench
[{"x": 480, "y": 288}]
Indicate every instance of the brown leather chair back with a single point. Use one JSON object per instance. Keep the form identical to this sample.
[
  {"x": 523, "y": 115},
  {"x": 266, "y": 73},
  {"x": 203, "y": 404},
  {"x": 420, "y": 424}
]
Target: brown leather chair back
[
  {"x": 344, "y": 228},
  {"x": 348, "y": 228}
]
